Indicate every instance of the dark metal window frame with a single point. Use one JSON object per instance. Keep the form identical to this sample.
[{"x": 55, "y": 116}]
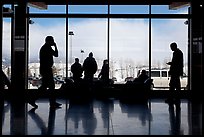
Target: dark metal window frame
[{"x": 108, "y": 16}]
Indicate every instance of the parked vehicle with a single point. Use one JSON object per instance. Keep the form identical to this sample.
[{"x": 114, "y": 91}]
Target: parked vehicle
[
  {"x": 129, "y": 79},
  {"x": 161, "y": 78}
]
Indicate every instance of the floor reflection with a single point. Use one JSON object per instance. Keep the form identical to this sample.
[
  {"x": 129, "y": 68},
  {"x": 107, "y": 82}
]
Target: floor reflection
[
  {"x": 175, "y": 118},
  {"x": 140, "y": 111},
  {"x": 106, "y": 108},
  {"x": 81, "y": 112},
  {"x": 45, "y": 130},
  {"x": 102, "y": 117}
]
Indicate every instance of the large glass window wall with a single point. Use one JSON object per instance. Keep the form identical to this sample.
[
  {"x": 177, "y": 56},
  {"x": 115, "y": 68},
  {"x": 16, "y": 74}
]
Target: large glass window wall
[{"x": 129, "y": 36}]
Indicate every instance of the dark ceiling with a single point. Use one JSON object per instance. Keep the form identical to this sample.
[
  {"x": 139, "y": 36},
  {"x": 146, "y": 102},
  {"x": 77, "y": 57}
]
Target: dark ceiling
[{"x": 99, "y": 2}]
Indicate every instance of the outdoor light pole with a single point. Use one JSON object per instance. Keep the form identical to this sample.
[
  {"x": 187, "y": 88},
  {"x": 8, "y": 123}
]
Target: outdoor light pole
[
  {"x": 82, "y": 52},
  {"x": 71, "y": 33}
]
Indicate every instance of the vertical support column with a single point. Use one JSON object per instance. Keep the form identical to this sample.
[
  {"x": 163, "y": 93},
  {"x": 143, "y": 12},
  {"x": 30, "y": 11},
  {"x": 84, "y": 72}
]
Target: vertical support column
[
  {"x": 19, "y": 70},
  {"x": 196, "y": 47},
  {"x": 66, "y": 40},
  {"x": 196, "y": 68},
  {"x": 150, "y": 41},
  {"x": 195, "y": 118},
  {"x": 108, "y": 41},
  {"x": 19, "y": 49}
]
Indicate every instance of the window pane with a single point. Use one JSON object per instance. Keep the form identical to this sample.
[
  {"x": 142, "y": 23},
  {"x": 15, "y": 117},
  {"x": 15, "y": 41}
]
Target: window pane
[
  {"x": 164, "y": 74},
  {"x": 88, "y": 9},
  {"x": 50, "y": 9},
  {"x": 6, "y": 47},
  {"x": 129, "y": 9},
  {"x": 90, "y": 35},
  {"x": 165, "y": 9},
  {"x": 155, "y": 73},
  {"x": 164, "y": 32},
  {"x": 128, "y": 47},
  {"x": 37, "y": 34}
]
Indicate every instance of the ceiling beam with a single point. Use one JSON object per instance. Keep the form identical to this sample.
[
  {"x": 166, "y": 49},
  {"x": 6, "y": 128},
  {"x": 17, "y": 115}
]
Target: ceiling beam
[
  {"x": 177, "y": 5},
  {"x": 39, "y": 5}
]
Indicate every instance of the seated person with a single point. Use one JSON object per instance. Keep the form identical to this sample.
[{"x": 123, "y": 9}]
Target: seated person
[
  {"x": 104, "y": 74},
  {"x": 69, "y": 84},
  {"x": 142, "y": 77}
]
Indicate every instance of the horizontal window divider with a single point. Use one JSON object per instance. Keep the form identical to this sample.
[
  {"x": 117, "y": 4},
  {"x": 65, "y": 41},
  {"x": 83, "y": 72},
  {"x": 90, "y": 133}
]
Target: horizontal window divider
[
  {"x": 8, "y": 15},
  {"x": 33, "y": 15}
]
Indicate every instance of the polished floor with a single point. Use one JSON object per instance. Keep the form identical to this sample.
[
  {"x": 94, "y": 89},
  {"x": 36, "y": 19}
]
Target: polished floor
[{"x": 102, "y": 117}]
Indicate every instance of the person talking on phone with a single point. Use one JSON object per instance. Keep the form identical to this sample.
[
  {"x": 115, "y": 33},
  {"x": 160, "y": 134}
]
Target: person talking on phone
[{"x": 47, "y": 52}]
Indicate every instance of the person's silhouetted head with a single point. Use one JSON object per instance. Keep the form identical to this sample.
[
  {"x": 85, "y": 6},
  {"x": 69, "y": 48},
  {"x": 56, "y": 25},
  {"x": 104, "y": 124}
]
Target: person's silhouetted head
[
  {"x": 143, "y": 71},
  {"x": 76, "y": 59},
  {"x": 173, "y": 46},
  {"x": 105, "y": 61},
  {"x": 49, "y": 39},
  {"x": 90, "y": 54}
]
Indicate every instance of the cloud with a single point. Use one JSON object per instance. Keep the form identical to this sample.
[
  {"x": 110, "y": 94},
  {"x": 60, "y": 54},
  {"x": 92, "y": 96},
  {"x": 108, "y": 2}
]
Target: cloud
[{"x": 128, "y": 38}]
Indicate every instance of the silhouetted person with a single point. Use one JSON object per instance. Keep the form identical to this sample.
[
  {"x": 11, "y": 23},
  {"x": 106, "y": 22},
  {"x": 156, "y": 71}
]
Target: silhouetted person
[
  {"x": 46, "y": 64},
  {"x": 176, "y": 67},
  {"x": 68, "y": 84},
  {"x": 90, "y": 67},
  {"x": 104, "y": 74},
  {"x": 142, "y": 77},
  {"x": 77, "y": 71}
]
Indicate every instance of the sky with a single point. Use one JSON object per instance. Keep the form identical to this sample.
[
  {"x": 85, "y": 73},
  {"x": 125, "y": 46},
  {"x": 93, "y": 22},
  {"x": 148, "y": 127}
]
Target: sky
[{"x": 129, "y": 38}]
